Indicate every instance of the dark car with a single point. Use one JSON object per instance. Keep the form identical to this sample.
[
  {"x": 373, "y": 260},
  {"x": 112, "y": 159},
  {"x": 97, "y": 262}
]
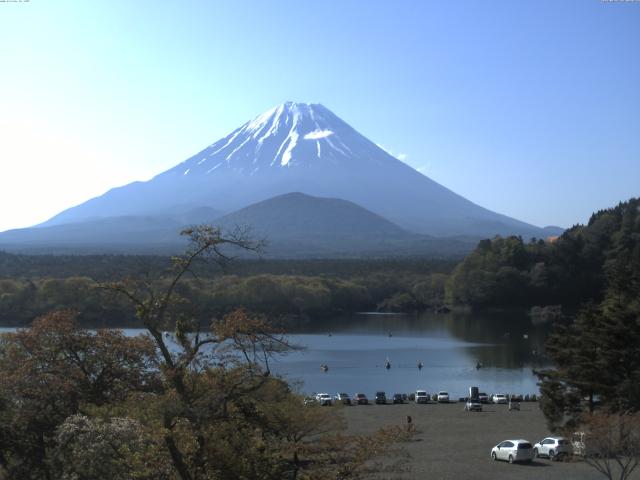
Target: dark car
[
  {"x": 360, "y": 399},
  {"x": 343, "y": 398},
  {"x": 398, "y": 398},
  {"x": 381, "y": 398}
]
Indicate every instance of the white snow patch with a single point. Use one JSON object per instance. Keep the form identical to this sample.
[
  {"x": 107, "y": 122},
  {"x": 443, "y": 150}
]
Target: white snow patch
[
  {"x": 317, "y": 134},
  {"x": 261, "y": 120},
  {"x": 290, "y": 141},
  {"x": 186, "y": 171},
  {"x": 318, "y": 145},
  {"x": 400, "y": 156},
  {"x": 286, "y": 156},
  {"x": 274, "y": 124},
  {"x": 231, "y": 137},
  {"x": 228, "y": 157},
  {"x": 213, "y": 168},
  {"x": 203, "y": 159},
  {"x": 336, "y": 147}
]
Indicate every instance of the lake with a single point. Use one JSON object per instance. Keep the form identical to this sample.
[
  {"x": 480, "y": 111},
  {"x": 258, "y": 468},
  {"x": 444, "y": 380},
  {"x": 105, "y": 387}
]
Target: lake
[{"x": 356, "y": 348}]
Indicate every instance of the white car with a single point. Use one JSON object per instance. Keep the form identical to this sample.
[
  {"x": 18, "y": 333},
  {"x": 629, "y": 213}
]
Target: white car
[
  {"x": 422, "y": 396},
  {"x": 500, "y": 398},
  {"x": 473, "y": 405},
  {"x": 513, "y": 451},
  {"x": 443, "y": 397},
  {"x": 323, "y": 398},
  {"x": 552, "y": 447}
]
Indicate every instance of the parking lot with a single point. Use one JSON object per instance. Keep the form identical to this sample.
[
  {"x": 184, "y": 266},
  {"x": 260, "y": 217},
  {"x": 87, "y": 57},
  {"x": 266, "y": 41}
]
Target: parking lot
[{"x": 454, "y": 444}]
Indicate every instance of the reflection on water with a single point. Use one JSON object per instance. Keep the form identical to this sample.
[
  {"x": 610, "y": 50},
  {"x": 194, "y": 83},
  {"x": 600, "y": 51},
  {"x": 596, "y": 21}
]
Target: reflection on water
[
  {"x": 448, "y": 345},
  {"x": 356, "y": 348}
]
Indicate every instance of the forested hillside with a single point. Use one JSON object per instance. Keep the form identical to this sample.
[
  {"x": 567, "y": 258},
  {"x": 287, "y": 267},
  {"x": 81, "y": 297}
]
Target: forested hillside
[
  {"x": 577, "y": 267},
  {"x": 304, "y": 289}
]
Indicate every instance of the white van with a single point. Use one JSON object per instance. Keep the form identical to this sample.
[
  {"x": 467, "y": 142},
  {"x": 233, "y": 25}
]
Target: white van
[{"x": 422, "y": 396}]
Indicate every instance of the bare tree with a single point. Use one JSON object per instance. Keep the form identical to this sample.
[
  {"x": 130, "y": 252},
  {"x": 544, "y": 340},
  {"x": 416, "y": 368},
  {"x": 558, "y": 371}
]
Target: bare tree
[
  {"x": 158, "y": 306},
  {"x": 221, "y": 414},
  {"x": 612, "y": 444}
]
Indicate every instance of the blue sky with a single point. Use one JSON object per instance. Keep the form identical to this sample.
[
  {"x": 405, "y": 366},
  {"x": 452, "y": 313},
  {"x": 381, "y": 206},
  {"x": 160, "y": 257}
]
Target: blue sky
[{"x": 529, "y": 108}]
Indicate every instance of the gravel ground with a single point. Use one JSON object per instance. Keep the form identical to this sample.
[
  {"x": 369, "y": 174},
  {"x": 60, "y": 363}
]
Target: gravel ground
[{"x": 454, "y": 444}]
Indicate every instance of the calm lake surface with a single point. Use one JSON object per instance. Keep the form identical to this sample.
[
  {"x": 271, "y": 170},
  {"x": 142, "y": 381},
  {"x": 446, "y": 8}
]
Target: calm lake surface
[{"x": 356, "y": 349}]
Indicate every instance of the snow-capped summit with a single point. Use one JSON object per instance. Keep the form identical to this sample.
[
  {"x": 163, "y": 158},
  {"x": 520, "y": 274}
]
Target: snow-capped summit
[
  {"x": 301, "y": 147},
  {"x": 289, "y": 135}
]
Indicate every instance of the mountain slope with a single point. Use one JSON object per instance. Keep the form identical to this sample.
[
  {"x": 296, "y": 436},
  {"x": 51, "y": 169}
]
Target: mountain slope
[
  {"x": 301, "y": 148},
  {"x": 296, "y": 214},
  {"x": 294, "y": 225},
  {"x": 126, "y": 234}
]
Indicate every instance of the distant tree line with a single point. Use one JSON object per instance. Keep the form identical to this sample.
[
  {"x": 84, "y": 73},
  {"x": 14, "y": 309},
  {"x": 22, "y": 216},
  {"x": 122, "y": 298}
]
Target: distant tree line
[{"x": 277, "y": 295}]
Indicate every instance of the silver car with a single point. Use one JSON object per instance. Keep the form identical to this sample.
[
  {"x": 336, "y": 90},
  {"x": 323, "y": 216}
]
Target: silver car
[
  {"x": 473, "y": 405},
  {"x": 552, "y": 447},
  {"x": 422, "y": 396},
  {"x": 323, "y": 399},
  {"x": 513, "y": 451},
  {"x": 500, "y": 398}
]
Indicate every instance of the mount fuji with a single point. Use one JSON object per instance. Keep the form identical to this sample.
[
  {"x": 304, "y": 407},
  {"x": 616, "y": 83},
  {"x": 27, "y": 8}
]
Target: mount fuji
[{"x": 294, "y": 147}]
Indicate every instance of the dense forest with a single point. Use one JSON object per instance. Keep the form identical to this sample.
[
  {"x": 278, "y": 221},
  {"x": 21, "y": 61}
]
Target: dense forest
[
  {"x": 593, "y": 383},
  {"x": 547, "y": 277},
  {"x": 303, "y": 289},
  {"x": 574, "y": 268}
]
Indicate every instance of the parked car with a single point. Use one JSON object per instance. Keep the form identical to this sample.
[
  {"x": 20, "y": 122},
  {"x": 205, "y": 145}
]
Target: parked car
[
  {"x": 361, "y": 399},
  {"x": 513, "y": 451},
  {"x": 381, "y": 398},
  {"x": 552, "y": 447},
  {"x": 343, "y": 398},
  {"x": 398, "y": 398},
  {"x": 473, "y": 405},
  {"x": 500, "y": 398},
  {"x": 323, "y": 399},
  {"x": 443, "y": 397},
  {"x": 422, "y": 396},
  {"x": 483, "y": 397}
]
